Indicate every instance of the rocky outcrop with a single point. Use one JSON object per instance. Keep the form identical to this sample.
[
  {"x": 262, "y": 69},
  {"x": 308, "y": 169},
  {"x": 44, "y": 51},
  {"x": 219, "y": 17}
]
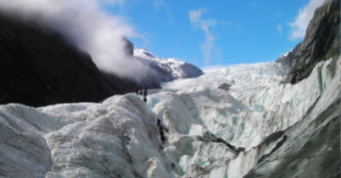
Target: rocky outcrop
[
  {"x": 38, "y": 67},
  {"x": 287, "y": 60},
  {"x": 190, "y": 71},
  {"x": 225, "y": 86},
  {"x": 156, "y": 74},
  {"x": 322, "y": 42},
  {"x": 129, "y": 47}
]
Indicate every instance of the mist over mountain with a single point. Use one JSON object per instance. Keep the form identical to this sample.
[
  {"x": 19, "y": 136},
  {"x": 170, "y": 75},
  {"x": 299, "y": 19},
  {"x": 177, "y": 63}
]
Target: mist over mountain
[
  {"x": 40, "y": 67},
  {"x": 85, "y": 25}
]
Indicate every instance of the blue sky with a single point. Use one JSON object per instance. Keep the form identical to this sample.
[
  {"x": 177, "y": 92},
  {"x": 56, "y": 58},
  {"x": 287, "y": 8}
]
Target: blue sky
[
  {"x": 217, "y": 33},
  {"x": 201, "y": 32}
]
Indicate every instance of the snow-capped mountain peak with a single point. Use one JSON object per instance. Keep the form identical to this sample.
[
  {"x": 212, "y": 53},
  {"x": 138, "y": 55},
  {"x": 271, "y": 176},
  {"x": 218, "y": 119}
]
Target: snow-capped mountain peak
[
  {"x": 143, "y": 53},
  {"x": 176, "y": 68}
]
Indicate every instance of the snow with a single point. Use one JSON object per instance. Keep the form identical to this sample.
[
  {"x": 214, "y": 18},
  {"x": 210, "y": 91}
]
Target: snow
[
  {"x": 286, "y": 54},
  {"x": 169, "y": 64},
  {"x": 244, "y": 78},
  {"x": 210, "y": 132}
]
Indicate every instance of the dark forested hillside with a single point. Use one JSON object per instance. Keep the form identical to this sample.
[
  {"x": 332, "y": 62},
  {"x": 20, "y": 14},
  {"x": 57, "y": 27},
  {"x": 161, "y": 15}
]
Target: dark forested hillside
[{"x": 38, "y": 67}]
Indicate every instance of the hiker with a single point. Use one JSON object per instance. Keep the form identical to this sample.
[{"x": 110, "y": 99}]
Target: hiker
[
  {"x": 145, "y": 99},
  {"x": 136, "y": 90},
  {"x": 145, "y": 92},
  {"x": 162, "y": 136}
]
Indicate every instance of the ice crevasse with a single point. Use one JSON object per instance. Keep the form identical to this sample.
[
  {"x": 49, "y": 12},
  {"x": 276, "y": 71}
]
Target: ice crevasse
[{"x": 257, "y": 128}]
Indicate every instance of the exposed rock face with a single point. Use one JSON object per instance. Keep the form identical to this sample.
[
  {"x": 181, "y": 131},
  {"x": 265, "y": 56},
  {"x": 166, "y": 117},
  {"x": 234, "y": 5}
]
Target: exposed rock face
[
  {"x": 190, "y": 71},
  {"x": 157, "y": 74},
  {"x": 129, "y": 48},
  {"x": 38, "y": 67},
  {"x": 224, "y": 86},
  {"x": 287, "y": 60},
  {"x": 322, "y": 42}
]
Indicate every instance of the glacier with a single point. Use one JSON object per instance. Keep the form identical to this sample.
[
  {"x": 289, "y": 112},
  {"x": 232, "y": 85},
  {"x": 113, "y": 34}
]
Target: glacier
[{"x": 259, "y": 127}]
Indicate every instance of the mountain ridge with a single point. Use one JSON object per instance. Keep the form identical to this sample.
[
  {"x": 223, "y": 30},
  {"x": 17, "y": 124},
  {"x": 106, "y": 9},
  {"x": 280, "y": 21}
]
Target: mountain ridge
[
  {"x": 39, "y": 67},
  {"x": 321, "y": 42},
  {"x": 177, "y": 69}
]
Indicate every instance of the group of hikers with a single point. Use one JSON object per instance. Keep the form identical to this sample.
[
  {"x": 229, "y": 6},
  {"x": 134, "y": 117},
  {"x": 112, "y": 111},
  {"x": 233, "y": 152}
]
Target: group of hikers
[
  {"x": 140, "y": 92},
  {"x": 159, "y": 125}
]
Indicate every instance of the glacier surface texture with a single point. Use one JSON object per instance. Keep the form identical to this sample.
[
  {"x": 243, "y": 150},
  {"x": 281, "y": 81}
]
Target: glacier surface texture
[{"x": 255, "y": 126}]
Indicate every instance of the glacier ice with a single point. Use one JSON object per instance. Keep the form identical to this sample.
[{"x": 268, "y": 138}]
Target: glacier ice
[{"x": 259, "y": 127}]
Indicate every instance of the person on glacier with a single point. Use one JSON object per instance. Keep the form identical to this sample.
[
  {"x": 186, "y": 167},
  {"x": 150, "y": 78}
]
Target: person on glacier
[
  {"x": 162, "y": 136},
  {"x": 136, "y": 90},
  {"x": 145, "y": 92}
]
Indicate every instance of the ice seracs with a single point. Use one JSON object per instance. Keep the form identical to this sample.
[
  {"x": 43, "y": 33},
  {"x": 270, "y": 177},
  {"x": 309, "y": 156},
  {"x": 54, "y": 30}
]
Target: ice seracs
[
  {"x": 243, "y": 78},
  {"x": 259, "y": 126}
]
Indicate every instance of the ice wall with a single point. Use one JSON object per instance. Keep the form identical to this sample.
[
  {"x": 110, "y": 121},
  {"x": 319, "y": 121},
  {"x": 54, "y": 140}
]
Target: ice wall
[
  {"x": 117, "y": 138},
  {"x": 312, "y": 147},
  {"x": 23, "y": 149},
  {"x": 244, "y": 78},
  {"x": 209, "y": 132},
  {"x": 254, "y": 121}
]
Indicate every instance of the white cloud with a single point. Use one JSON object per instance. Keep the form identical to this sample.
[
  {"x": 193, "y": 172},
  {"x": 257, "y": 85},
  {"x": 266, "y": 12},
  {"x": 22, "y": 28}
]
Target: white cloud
[
  {"x": 280, "y": 30},
  {"x": 303, "y": 18},
  {"x": 207, "y": 46},
  {"x": 85, "y": 24}
]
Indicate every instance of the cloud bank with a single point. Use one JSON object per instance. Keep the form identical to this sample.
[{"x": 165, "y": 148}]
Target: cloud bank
[
  {"x": 303, "y": 18},
  {"x": 207, "y": 46},
  {"x": 86, "y": 25}
]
